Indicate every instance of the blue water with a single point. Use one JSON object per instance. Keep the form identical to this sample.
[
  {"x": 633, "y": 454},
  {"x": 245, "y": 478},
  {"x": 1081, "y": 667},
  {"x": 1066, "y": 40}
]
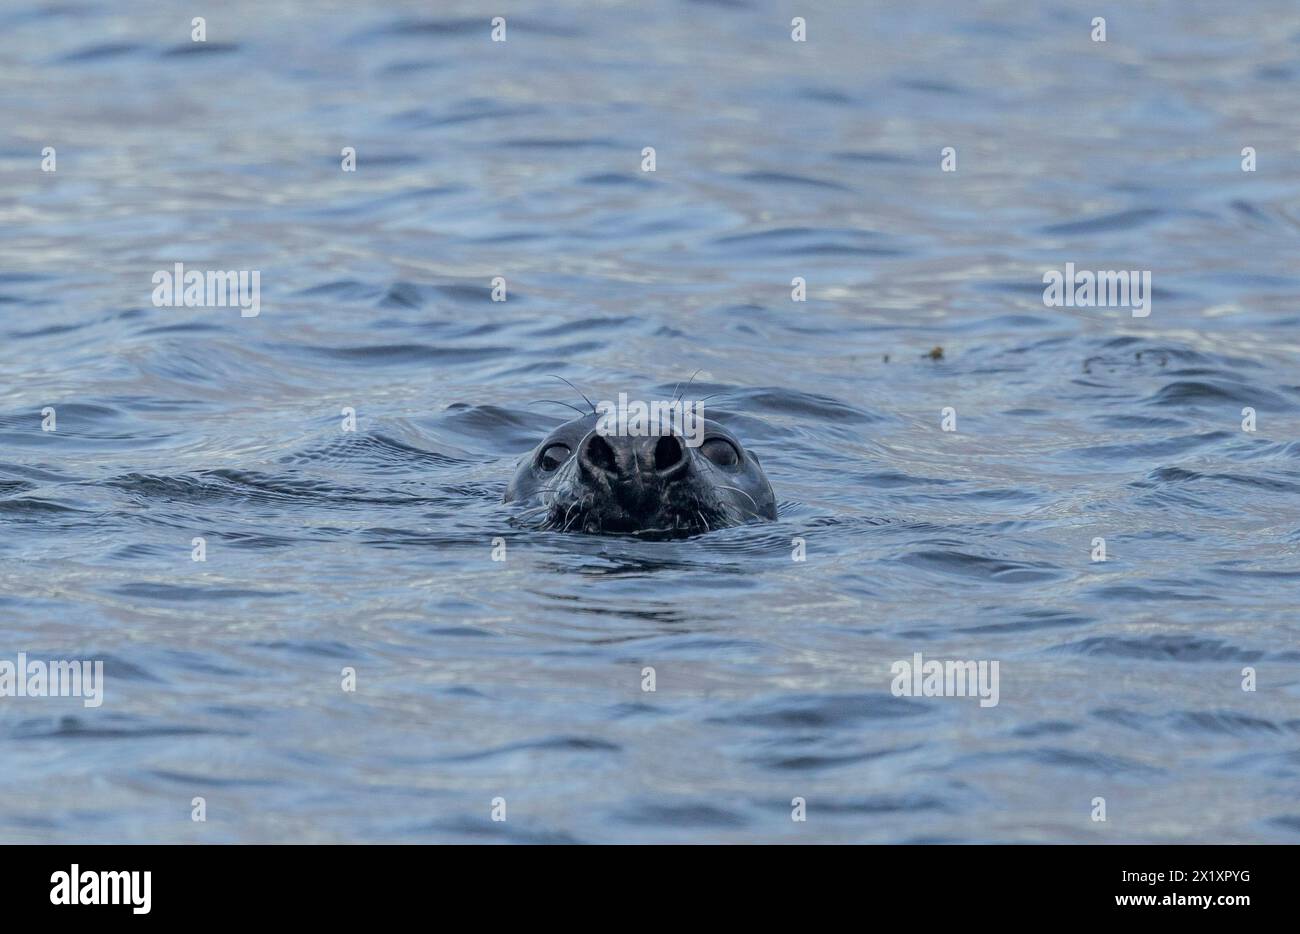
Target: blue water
[{"x": 522, "y": 679}]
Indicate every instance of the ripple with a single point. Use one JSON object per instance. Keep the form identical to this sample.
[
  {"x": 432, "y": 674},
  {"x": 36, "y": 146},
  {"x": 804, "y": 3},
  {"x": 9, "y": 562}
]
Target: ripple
[
  {"x": 1213, "y": 392},
  {"x": 201, "y": 49},
  {"x": 190, "y": 593},
  {"x": 406, "y": 354},
  {"x": 1120, "y": 220},
  {"x": 1162, "y": 648},
  {"x": 963, "y": 564},
  {"x": 802, "y": 711},
  {"x": 816, "y": 762},
  {"x": 877, "y": 804},
  {"x": 684, "y": 814},
  {"x": 1072, "y": 760},
  {"x": 100, "y": 52},
  {"x": 508, "y": 831},
  {"x": 808, "y": 241},
  {"x": 107, "y": 726},
  {"x": 787, "y": 179},
  {"x": 563, "y": 744}
]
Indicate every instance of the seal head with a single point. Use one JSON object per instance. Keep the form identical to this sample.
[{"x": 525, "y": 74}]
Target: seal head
[{"x": 657, "y": 486}]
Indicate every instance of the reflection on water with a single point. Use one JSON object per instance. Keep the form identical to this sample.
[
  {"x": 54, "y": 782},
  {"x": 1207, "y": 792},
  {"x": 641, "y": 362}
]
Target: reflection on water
[{"x": 371, "y": 550}]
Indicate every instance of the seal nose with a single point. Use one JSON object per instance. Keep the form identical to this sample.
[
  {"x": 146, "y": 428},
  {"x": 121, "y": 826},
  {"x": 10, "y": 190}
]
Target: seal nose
[
  {"x": 670, "y": 456},
  {"x": 622, "y": 458},
  {"x": 599, "y": 454}
]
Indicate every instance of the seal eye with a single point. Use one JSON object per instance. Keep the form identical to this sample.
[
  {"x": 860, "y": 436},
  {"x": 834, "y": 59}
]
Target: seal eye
[
  {"x": 721, "y": 451},
  {"x": 553, "y": 456}
]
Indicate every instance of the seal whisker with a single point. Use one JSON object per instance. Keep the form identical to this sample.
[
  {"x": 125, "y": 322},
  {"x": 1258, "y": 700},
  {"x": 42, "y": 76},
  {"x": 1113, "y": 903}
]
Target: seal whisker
[
  {"x": 739, "y": 514},
  {"x": 688, "y": 384},
  {"x": 566, "y": 515},
  {"x": 578, "y": 391},
  {"x": 727, "y": 486},
  {"x": 567, "y": 405}
]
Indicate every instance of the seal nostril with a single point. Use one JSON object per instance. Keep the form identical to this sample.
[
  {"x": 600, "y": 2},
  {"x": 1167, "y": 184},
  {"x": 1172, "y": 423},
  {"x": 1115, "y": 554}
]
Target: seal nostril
[
  {"x": 669, "y": 453},
  {"x": 600, "y": 454}
]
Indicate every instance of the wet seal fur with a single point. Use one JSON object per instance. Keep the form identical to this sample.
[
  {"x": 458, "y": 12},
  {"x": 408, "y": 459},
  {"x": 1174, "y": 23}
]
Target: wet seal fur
[{"x": 657, "y": 487}]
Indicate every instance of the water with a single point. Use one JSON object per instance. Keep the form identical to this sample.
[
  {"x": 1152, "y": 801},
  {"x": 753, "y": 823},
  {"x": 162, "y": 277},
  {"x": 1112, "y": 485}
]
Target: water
[{"x": 522, "y": 679}]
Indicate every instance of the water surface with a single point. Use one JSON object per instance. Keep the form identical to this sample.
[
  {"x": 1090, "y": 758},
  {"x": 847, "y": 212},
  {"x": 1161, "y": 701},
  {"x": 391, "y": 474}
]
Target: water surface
[{"x": 522, "y": 679}]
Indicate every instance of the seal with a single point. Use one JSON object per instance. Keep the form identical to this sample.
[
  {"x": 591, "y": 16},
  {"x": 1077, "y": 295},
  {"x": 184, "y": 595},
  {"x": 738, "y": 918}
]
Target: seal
[{"x": 581, "y": 480}]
